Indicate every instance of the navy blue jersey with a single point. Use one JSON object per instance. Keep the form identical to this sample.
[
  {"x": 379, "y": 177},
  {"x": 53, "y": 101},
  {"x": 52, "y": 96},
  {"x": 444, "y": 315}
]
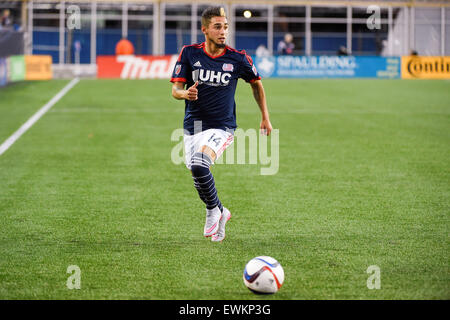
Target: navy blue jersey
[{"x": 217, "y": 79}]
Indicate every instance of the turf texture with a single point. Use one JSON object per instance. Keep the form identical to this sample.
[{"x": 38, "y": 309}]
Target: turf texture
[{"x": 363, "y": 179}]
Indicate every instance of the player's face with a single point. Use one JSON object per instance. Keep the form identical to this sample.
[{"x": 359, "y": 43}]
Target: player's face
[{"x": 217, "y": 31}]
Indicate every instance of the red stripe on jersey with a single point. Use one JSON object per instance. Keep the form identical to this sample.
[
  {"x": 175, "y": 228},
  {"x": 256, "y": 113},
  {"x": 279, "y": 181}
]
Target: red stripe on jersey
[
  {"x": 178, "y": 80},
  {"x": 234, "y": 50},
  {"x": 189, "y": 45},
  {"x": 253, "y": 80},
  {"x": 204, "y": 50},
  {"x": 249, "y": 59}
]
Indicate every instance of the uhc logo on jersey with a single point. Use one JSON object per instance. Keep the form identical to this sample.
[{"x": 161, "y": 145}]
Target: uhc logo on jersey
[{"x": 211, "y": 77}]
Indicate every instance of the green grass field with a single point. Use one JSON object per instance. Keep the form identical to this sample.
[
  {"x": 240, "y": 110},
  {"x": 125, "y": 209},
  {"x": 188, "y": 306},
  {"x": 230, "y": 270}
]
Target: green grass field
[{"x": 364, "y": 179}]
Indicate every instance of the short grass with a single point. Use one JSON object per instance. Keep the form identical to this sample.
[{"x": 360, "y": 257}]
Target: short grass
[{"x": 363, "y": 180}]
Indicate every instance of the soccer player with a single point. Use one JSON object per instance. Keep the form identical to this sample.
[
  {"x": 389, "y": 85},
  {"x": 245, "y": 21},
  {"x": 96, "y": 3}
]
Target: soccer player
[{"x": 210, "y": 71}]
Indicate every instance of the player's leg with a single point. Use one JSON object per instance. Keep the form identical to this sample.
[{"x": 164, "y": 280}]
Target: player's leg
[
  {"x": 201, "y": 151},
  {"x": 190, "y": 146},
  {"x": 203, "y": 179},
  {"x": 226, "y": 141},
  {"x": 204, "y": 183}
]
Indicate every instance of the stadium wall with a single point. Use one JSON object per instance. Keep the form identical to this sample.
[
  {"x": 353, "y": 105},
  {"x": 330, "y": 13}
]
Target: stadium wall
[{"x": 35, "y": 67}]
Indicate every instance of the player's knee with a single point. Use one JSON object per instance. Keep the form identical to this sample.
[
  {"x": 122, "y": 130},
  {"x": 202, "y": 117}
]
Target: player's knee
[
  {"x": 209, "y": 152},
  {"x": 200, "y": 164}
]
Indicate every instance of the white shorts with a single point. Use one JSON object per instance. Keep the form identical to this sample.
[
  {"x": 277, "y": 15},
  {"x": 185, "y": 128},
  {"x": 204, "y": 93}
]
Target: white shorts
[{"x": 217, "y": 139}]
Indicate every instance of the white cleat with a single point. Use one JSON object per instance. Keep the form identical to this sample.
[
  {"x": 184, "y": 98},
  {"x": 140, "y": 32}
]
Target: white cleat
[
  {"x": 213, "y": 217},
  {"x": 220, "y": 235}
]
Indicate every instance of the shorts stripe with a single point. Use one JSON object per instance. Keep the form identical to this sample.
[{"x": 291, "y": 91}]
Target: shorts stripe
[{"x": 225, "y": 145}]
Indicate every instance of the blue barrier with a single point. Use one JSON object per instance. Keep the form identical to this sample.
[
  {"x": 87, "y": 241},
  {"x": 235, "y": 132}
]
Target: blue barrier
[{"x": 328, "y": 67}]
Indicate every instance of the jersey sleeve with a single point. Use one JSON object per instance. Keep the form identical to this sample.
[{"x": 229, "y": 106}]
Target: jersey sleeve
[
  {"x": 247, "y": 70},
  {"x": 182, "y": 67}
]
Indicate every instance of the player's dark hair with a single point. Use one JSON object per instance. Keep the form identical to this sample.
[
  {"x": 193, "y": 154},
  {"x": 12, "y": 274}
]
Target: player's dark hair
[{"x": 211, "y": 12}]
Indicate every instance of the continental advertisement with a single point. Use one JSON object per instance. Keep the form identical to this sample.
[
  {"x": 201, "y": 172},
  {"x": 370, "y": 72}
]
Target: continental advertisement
[{"x": 420, "y": 67}]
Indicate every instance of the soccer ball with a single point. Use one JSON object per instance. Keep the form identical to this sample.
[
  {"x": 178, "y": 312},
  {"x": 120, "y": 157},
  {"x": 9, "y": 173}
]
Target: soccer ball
[{"x": 263, "y": 275}]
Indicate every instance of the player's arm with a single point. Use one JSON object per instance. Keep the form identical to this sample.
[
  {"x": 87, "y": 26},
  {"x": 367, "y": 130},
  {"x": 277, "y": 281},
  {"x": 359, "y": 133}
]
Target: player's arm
[
  {"x": 178, "y": 91},
  {"x": 260, "y": 97}
]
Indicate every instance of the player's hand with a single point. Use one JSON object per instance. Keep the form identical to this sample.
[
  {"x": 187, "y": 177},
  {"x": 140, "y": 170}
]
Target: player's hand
[
  {"x": 192, "y": 92},
  {"x": 265, "y": 127}
]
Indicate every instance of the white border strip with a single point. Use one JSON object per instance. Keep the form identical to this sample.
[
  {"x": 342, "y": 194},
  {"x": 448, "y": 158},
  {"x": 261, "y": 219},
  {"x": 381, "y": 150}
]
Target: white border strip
[{"x": 27, "y": 125}]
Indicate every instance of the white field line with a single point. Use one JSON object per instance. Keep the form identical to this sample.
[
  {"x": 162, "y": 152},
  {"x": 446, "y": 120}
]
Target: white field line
[{"x": 27, "y": 125}]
